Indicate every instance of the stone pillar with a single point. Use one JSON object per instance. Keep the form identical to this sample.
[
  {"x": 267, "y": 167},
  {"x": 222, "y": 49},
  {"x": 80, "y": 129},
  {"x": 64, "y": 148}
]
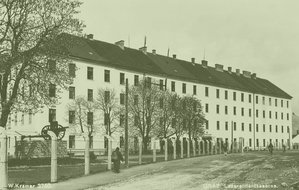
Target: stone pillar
[
  {"x": 174, "y": 147},
  {"x": 3, "y": 159},
  {"x": 188, "y": 147},
  {"x": 182, "y": 148},
  {"x": 140, "y": 150},
  {"x": 53, "y": 156},
  {"x": 154, "y": 151},
  {"x": 86, "y": 154},
  {"x": 194, "y": 147},
  {"x": 109, "y": 151},
  {"x": 166, "y": 149}
]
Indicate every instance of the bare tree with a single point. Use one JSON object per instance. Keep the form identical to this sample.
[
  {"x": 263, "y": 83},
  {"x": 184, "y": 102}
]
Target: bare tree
[
  {"x": 33, "y": 53},
  {"x": 143, "y": 106},
  {"x": 81, "y": 116},
  {"x": 108, "y": 104}
]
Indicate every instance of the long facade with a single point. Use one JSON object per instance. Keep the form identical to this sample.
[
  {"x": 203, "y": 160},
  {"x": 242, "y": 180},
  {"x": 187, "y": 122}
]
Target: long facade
[{"x": 236, "y": 104}]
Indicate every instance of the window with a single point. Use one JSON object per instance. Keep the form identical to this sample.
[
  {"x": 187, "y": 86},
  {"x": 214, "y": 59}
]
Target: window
[
  {"x": 207, "y": 108},
  {"x": 281, "y": 116},
  {"x": 217, "y": 109},
  {"x": 257, "y": 142},
  {"x": 107, "y": 76},
  {"x": 264, "y": 128},
  {"x": 71, "y": 92},
  {"x": 249, "y": 98},
  {"x": 52, "y": 115},
  {"x": 194, "y": 90},
  {"x": 226, "y": 125},
  {"x": 287, "y": 116},
  {"x": 276, "y": 115},
  {"x": 71, "y": 117},
  {"x": 72, "y": 70},
  {"x": 107, "y": 96},
  {"x": 90, "y": 73},
  {"x": 250, "y": 127},
  {"x": 270, "y": 102},
  {"x": 226, "y": 94},
  {"x": 281, "y": 103},
  {"x": 242, "y": 111},
  {"x": 161, "y": 84},
  {"x": 52, "y": 90},
  {"x": 121, "y": 119},
  {"x": 287, "y": 104},
  {"x": 89, "y": 94},
  {"x": 235, "y": 110},
  {"x": 235, "y": 126},
  {"x": 172, "y": 86},
  {"x": 276, "y": 129},
  {"x": 136, "y": 80},
  {"x": 226, "y": 110},
  {"x": 264, "y": 113},
  {"x": 121, "y": 78},
  {"x": 72, "y": 141},
  {"x": 242, "y": 126},
  {"x": 89, "y": 118},
  {"x": 217, "y": 93},
  {"x": 250, "y": 143},
  {"x": 207, "y": 124},
  {"x": 288, "y": 129},
  {"x": 206, "y": 91},
  {"x": 148, "y": 82},
  {"x": 218, "y": 125},
  {"x": 281, "y": 129},
  {"x": 275, "y": 102},
  {"x": 263, "y": 100},
  {"x": 256, "y": 99},
  {"x": 122, "y": 98},
  {"x": 270, "y": 114},
  {"x": 234, "y": 96},
  {"x": 52, "y": 66},
  {"x": 270, "y": 128},
  {"x": 30, "y": 116},
  {"x": 135, "y": 100},
  {"x": 257, "y": 113},
  {"x": 184, "y": 88},
  {"x": 242, "y": 97}
]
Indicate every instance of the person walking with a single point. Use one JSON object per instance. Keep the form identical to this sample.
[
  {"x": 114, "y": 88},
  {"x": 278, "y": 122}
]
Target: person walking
[
  {"x": 270, "y": 147},
  {"x": 116, "y": 158}
]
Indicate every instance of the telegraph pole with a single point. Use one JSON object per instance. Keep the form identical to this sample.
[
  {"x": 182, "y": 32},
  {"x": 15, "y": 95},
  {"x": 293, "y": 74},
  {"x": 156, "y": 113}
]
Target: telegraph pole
[{"x": 126, "y": 127}]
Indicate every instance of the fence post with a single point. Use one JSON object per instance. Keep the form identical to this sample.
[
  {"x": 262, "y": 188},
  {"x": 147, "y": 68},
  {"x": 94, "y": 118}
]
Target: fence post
[
  {"x": 86, "y": 155},
  {"x": 154, "y": 150},
  {"x": 199, "y": 150},
  {"x": 188, "y": 147},
  {"x": 3, "y": 159},
  {"x": 194, "y": 147},
  {"x": 182, "y": 147},
  {"x": 109, "y": 151},
  {"x": 140, "y": 150},
  {"x": 166, "y": 149},
  {"x": 53, "y": 156},
  {"x": 174, "y": 147}
]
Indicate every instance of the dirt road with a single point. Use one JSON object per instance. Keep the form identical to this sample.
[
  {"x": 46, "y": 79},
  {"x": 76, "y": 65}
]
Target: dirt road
[{"x": 257, "y": 170}]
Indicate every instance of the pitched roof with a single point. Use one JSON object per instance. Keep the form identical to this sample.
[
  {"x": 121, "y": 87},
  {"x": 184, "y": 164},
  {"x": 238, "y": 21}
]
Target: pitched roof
[{"x": 135, "y": 60}]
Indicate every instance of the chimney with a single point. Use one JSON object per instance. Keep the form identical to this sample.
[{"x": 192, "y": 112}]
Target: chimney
[
  {"x": 204, "y": 63},
  {"x": 247, "y": 74},
  {"x": 229, "y": 69},
  {"x": 219, "y": 67},
  {"x": 238, "y": 72},
  {"x": 143, "y": 49},
  {"x": 174, "y": 56},
  {"x": 192, "y": 60},
  {"x": 253, "y": 75},
  {"x": 121, "y": 44},
  {"x": 154, "y": 51},
  {"x": 89, "y": 36}
]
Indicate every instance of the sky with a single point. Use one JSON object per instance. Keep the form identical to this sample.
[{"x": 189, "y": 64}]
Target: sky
[{"x": 260, "y": 36}]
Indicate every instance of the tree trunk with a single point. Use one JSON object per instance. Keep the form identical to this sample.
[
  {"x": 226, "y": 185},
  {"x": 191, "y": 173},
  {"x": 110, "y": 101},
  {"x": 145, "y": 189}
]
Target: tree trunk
[
  {"x": 145, "y": 143},
  {"x": 4, "y": 117}
]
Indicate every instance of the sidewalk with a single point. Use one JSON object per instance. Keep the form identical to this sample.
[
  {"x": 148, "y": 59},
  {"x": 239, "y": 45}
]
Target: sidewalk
[{"x": 108, "y": 177}]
